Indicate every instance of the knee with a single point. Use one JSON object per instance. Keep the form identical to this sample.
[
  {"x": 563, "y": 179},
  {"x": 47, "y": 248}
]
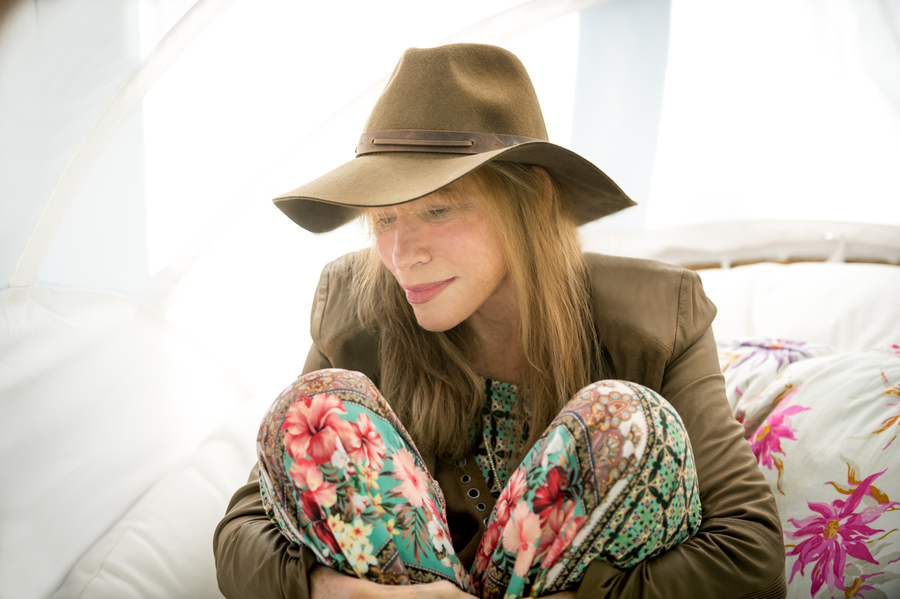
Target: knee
[
  {"x": 618, "y": 389},
  {"x": 612, "y": 396},
  {"x": 327, "y": 380},
  {"x": 325, "y": 390},
  {"x": 330, "y": 380},
  {"x": 610, "y": 403}
]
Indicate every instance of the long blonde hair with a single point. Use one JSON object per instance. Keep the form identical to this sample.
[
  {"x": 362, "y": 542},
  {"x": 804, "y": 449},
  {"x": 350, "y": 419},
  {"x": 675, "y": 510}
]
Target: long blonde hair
[{"x": 430, "y": 379}]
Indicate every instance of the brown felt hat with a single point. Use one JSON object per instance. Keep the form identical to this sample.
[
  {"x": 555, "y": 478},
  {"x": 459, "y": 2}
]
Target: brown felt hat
[{"x": 444, "y": 112}]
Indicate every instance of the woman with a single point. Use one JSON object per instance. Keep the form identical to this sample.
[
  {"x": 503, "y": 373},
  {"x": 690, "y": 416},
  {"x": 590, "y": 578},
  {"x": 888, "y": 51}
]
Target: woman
[{"x": 453, "y": 428}]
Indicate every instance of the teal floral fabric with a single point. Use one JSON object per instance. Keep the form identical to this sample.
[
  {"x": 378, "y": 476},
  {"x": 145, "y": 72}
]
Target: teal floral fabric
[{"x": 612, "y": 478}]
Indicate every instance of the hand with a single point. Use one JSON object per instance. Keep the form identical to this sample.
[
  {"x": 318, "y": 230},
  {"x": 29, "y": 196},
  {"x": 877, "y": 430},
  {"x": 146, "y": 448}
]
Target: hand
[
  {"x": 326, "y": 583},
  {"x": 561, "y": 595}
]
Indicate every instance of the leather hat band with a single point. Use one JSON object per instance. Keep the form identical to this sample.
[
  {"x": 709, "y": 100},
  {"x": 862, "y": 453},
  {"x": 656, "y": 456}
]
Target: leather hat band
[{"x": 446, "y": 142}]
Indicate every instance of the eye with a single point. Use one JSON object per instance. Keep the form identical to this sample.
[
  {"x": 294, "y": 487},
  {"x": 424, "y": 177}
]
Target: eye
[
  {"x": 438, "y": 211},
  {"x": 383, "y": 221}
]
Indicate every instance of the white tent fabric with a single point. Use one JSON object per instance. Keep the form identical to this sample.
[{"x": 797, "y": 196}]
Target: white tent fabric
[
  {"x": 148, "y": 288},
  {"x": 800, "y": 113}
]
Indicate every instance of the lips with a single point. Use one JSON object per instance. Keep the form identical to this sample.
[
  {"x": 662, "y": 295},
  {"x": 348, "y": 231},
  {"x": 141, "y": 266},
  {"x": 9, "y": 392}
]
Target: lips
[{"x": 419, "y": 294}]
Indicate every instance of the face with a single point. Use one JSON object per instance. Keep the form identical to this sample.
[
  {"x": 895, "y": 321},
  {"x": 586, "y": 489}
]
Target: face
[{"x": 447, "y": 257}]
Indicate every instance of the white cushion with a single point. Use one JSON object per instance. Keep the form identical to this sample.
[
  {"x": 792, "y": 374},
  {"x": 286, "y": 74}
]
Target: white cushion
[
  {"x": 99, "y": 395},
  {"x": 846, "y": 306},
  {"x": 163, "y": 546}
]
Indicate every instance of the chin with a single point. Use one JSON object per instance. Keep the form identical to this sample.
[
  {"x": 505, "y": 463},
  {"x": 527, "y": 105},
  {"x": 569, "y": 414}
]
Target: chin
[{"x": 435, "y": 325}]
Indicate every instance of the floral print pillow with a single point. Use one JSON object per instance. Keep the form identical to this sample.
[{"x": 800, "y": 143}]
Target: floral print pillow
[{"x": 823, "y": 425}]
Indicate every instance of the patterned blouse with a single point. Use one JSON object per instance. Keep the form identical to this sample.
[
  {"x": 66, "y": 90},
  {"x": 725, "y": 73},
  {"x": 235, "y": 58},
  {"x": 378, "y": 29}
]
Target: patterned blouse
[{"x": 497, "y": 434}]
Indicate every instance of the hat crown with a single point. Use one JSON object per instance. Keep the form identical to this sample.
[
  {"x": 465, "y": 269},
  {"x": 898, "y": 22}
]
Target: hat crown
[{"x": 460, "y": 87}]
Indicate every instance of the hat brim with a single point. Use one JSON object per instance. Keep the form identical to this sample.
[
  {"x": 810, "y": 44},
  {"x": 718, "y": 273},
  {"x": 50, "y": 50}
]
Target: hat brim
[{"x": 391, "y": 178}]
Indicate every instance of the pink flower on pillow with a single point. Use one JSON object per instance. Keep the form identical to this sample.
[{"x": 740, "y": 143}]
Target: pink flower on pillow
[
  {"x": 315, "y": 430},
  {"x": 766, "y": 441},
  {"x": 891, "y": 350},
  {"x": 835, "y": 532}
]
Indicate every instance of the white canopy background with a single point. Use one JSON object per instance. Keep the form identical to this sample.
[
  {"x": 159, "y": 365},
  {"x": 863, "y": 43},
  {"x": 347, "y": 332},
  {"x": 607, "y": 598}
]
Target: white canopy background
[{"x": 148, "y": 287}]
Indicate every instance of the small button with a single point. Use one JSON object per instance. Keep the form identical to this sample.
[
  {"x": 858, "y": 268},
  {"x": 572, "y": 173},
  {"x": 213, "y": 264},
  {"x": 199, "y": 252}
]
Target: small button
[
  {"x": 473, "y": 493},
  {"x": 460, "y": 462},
  {"x": 480, "y": 507},
  {"x": 484, "y": 521},
  {"x": 465, "y": 479}
]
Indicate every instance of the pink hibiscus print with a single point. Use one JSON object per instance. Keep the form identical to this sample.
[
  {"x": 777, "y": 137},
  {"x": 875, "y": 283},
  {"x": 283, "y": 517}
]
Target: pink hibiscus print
[
  {"x": 520, "y": 536},
  {"x": 486, "y": 547},
  {"x": 553, "y": 494},
  {"x": 319, "y": 523},
  {"x": 511, "y": 495},
  {"x": 315, "y": 429},
  {"x": 837, "y": 531},
  {"x": 766, "y": 441},
  {"x": 371, "y": 448},
  {"x": 413, "y": 480},
  {"x": 308, "y": 477},
  {"x": 559, "y": 530}
]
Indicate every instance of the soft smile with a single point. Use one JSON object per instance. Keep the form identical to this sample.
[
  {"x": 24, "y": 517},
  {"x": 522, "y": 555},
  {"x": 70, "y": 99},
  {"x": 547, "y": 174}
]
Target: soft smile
[{"x": 419, "y": 294}]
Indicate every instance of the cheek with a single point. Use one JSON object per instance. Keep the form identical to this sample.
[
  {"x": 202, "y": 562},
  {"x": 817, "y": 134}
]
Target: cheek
[
  {"x": 384, "y": 245},
  {"x": 489, "y": 251}
]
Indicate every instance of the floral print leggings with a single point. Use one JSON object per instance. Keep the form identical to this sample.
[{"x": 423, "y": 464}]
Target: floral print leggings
[{"x": 612, "y": 478}]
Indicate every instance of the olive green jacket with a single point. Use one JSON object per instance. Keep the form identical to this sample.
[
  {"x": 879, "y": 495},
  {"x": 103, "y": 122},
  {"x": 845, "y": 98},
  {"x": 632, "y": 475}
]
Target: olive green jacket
[{"x": 654, "y": 325}]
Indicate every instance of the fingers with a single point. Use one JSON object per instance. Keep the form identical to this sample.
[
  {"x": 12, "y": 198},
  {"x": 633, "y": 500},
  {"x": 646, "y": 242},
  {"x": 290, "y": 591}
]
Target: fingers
[
  {"x": 561, "y": 595},
  {"x": 437, "y": 590},
  {"x": 326, "y": 583}
]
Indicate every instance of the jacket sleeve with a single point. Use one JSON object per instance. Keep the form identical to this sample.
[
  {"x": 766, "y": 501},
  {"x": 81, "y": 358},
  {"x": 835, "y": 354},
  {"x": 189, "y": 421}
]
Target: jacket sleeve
[
  {"x": 738, "y": 551},
  {"x": 253, "y": 559}
]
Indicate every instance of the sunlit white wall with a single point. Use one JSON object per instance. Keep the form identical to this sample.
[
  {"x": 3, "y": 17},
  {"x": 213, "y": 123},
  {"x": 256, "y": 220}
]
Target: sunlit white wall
[{"x": 784, "y": 110}]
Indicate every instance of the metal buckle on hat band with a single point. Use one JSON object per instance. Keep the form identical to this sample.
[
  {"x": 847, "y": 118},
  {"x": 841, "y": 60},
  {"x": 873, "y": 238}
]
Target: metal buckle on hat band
[{"x": 446, "y": 142}]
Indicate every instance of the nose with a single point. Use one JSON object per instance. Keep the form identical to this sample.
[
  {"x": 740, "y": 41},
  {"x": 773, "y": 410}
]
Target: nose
[{"x": 410, "y": 245}]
